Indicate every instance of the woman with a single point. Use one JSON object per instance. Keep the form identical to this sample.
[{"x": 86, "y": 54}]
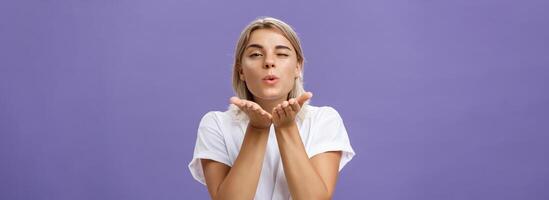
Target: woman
[{"x": 270, "y": 144}]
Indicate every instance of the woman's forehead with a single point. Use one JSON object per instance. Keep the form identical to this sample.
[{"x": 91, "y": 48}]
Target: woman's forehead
[{"x": 268, "y": 38}]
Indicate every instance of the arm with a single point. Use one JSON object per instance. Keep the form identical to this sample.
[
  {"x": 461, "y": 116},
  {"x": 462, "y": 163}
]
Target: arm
[
  {"x": 313, "y": 178},
  {"x": 240, "y": 181}
]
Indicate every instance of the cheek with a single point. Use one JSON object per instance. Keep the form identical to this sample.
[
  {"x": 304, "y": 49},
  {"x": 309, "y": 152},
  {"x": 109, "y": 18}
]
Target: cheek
[
  {"x": 250, "y": 73},
  {"x": 289, "y": 78},
  {"x": 290, "y": 69}
]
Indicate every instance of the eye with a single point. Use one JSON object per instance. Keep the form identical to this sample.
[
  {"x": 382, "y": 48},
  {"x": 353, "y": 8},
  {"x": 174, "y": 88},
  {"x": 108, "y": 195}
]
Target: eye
[
  {"x": 282, "y": 54},
  {"x": 253, "y": 55}
]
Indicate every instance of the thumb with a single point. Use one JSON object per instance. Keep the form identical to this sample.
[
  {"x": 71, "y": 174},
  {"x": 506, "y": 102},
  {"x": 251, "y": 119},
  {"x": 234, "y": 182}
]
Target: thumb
[
  {"x": 304, "y": 97},
  {"x": 235, "y": 100}
]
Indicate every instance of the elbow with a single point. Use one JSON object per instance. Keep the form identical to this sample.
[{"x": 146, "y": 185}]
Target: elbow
[
  {"x": 325, "y": 197},
  {"x": 214, "y": 197},
  {"x": 325, "y": 194},
  {"x": 318, "y": 195},
  {"x": 218, "y": 197}
]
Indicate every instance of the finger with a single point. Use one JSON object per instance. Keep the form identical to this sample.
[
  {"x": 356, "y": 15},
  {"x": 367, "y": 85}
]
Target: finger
[
  {"x": 304, "y": 97},
  {"x": 244, "y": 105},
  {"x": 276, "y": 112},
  {"x": 288, "y": 109},
  {"x": 235, "y": 100},
  {"x": 255, "y": 112},
  {"x": 256, "y": 108},
  {"x": 240, "y": 104},
  {"x": 281, "y": 112},
  {"x": 274, "y": 115},
  {"x": 291, "y": 101},
  {"x": 259, "y": 111},
  {"x": 295, "y": 106},
  {"x": 267, "y": 115},
  {"x": 249, "y": 105}
]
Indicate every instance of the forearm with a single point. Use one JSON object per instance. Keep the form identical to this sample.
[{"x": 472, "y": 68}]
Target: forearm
[
  {"x": 303, "y": 181},
  {"x": 241, "y": 181}
]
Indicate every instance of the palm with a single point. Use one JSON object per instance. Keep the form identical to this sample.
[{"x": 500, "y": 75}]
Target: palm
[
  {"x": 259, "y": 118},
  {"x": 284, "y": 113}
]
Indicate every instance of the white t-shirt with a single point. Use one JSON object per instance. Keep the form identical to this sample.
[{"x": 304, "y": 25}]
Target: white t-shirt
[{"x": 220, "y": 135}]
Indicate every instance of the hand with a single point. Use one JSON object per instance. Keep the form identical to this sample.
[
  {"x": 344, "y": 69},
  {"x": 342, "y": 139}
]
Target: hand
[
  {"x": 259, "y": 118},
  {"x": 283, "y": 114}
]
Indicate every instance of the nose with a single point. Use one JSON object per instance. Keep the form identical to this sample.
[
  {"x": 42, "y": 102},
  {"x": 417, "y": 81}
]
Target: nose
[
  {"x": 269, "y": 62},
  {"x": 268, "y": 65}
]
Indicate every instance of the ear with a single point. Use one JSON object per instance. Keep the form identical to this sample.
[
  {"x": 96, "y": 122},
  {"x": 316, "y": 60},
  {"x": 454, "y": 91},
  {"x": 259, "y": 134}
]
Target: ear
[
  {"x": 298, "y": 70},
  {"x": 241, "y": 73}
]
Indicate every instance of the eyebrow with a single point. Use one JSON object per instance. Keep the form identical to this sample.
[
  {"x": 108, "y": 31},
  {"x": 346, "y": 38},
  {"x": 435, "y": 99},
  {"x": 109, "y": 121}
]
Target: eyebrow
[{"x": 261, "y": 47}]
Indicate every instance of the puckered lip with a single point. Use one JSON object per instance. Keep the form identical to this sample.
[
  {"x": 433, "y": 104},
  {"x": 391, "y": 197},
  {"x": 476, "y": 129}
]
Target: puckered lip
[{"x": 269, "y": 77}]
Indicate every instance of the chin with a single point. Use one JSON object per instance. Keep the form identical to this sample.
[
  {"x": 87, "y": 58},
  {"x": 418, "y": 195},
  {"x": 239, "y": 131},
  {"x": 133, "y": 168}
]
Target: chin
[{"x": 272, "y": 95}]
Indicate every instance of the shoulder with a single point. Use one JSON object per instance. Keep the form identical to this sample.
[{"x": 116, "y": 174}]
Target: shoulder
[
  {"x": 322, "y": 112},
  {"x": 217, "y": 117}
]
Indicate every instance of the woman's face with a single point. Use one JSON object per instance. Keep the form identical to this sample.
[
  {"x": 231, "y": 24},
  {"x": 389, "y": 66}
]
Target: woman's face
[{"x": 269, "y": 65}]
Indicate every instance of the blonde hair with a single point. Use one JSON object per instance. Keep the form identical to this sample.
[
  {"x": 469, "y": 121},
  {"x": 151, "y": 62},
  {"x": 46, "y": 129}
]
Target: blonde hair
[{"x": 239, "y": 85}]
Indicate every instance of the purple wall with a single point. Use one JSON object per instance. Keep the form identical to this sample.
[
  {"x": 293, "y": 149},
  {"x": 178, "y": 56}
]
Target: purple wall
[{"x": 441, "y": 99}]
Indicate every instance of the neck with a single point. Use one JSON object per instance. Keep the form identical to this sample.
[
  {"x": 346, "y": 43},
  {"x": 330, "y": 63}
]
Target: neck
[{"x": 269, "y": 104}]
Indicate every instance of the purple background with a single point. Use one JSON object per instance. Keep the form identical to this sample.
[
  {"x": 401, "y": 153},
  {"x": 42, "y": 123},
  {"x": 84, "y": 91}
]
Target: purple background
[{"x": 441, "y": 99}]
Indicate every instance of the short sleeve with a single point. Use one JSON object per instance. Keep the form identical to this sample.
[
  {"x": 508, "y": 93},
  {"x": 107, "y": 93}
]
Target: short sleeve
[
  {"x": 329, "y": 134},
  {"x": 209, "y": 145}
]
